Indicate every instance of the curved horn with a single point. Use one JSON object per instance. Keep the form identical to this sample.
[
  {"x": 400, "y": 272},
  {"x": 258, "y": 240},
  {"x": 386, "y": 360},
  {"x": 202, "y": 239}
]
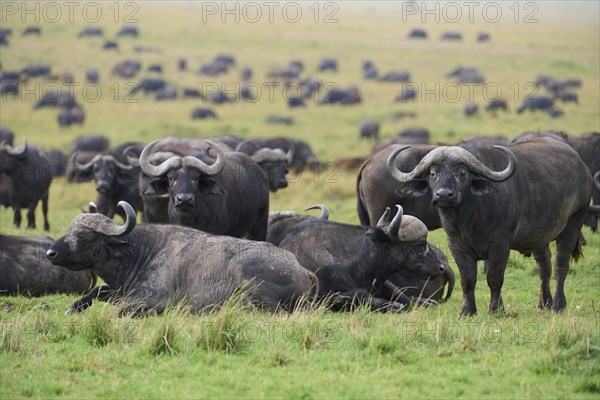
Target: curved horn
[
  {"x": 131, "y": 159},
  {"x": 208, "y": 170},
  {"x": 400, "y": 176},
  {"x": 496, "y": 176},
  {"x": 102, "y": 224},
  {"x": 394, "y": 228},
  {"x": 324, "y": 211},
  {"x": 92, "y": 208},
  {"x": 16, "y": 151},
  {"x": 267, "y": 154},
  {"x": 384, "y": 218},
  {"x": 125, "y": 167},
  {"x": 291, "y": 152},
  {"x": 158, "y": 170},
  {"x": 597, "y": 179},
  {"x": 87, "y": 166},
  {"x": 245, "y": 143}
]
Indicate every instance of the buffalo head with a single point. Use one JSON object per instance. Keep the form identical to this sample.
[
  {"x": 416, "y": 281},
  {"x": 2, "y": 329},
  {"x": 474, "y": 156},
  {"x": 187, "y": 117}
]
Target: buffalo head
[
  {"x": 274, "y": 162},
  {"x": 105, "y": 169},
  {"x": 406, "y": 238},
  {"x": 11, "y": 155},
  {"x": 90, "y": 239},
  {"x": 452, "y": 171},
  {"x": 188, "y": 177}
]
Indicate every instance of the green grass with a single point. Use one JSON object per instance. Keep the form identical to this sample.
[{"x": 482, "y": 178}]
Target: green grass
[{"x": 237, "y": 352}]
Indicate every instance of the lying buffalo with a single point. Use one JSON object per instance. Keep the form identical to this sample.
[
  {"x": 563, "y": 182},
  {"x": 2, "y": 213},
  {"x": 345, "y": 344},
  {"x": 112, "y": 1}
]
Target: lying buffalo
[
  {"x": 353, "y": 263},
  {"x": 228, "y": 195},
  {"x": 486, "y": 213},
  {"x": 24, "y": 269},
  {"x": 151, "y": 266}
]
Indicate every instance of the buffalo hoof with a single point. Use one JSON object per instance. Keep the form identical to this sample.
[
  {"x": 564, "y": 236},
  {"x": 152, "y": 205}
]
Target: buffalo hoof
[{"x": 426, "y": 302}]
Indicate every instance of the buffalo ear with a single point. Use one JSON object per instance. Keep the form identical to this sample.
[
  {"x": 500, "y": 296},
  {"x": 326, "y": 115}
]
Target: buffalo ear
[
  {"x": 378, "y": 235},
  {"x": 480, "y": 186},
  {"x": 156, "y": 186},
  {"x": 115, "y": 244},
  {"x": 415, "y": 188},
  {"x": 212, "y": 187},
  {"x": 85, "y": 175}
]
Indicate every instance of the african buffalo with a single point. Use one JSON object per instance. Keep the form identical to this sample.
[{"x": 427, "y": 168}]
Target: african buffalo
[
  {"x": 396, "y": 76},
  {"x": 418, "y": 34},
  {"x": 376, "y": 190},
  {"x": 203, "y": 113},
  {"x": 471, "y": 109},
  {"x": 273, "y": 161},
  {"x": 91, "y": 31},
  {"x": 342, "y": 96},
  {"x": 536, "y": 103},
  {"x": 115, "y": 179},
  {"x": 92, "y": 75},
  {"x": 28, "y": 175},
  {"x": 148, "y": 267},
  {"x": 97, "y": 143},
  {"x": 126, "y": 69},
  {"x": 227, "y": 196},
  {"x": 328, "y": 64},
  {"x": 6, "y": 136},
  {"x": 128, "y": 31},
  {"x": 25, "y": 270},
  {"x": 70, "y": 116},
  {"x": 466, "y": 75},
  {"x": 353, "y": 263},
  {"x": 542, "y": 195},
  {"x": 408, "y": 93},
  {"x": 369, "y": 129}
]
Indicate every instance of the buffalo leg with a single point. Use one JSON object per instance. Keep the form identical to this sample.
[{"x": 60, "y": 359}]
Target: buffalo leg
[
  {"x": 567, "y": 246},
  {"x": 45, "y": 212},
  {"x": 495, "y": 280},
  {"x": 17, "y": 216},
  {"x": 351, "y": 299},
  {"x": 544, "y": 264},
  {"x": 468, "y": 279},
  {"x": 31, "y": 215},
  {"x": 102, "y": 293}
]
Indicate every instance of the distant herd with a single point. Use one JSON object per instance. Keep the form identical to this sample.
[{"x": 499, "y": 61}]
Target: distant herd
[{"x": 207, "y": 229}]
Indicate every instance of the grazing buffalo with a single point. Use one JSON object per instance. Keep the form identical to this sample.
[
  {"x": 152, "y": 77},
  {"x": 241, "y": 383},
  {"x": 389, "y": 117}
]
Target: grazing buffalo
[
  {"x": 32, "y": 30},
  {"x": 203, "y": 113},
  {"x": 109, "y": 45},
  {"x": 376, "y": 190},
  {"x": 115, "y": 179},
  {"x": 533, "y": 103},
  {"x": 148, "y": 267},
  {"x": 466, "y": 75},
  {"x": 483, "y": 37},
  {"x": 192, "y": 92},
  {"x": 226, "y": 196},
  {"x": 33, "y": 70},
  {"x": 273, "y": 161},
  {"x": 126, "y": 69},
  {"x": 408, "y": 93},
  {"x": 369, "y": 70},
  {"x": 70, "y": 116},
  {"x": 63, "y": 98},
  {"x": 328, "y": 64},
  {"x": 418, "y": 34},
  {"x": 97, "y": 143},
  {"x": 91, "y": 31},
  {"x": 353, "y": 263},
  {"x": 495, "y": 105},
  {"x": 129, "y": 31},
  {"x": 542, "y": 194},
  {"x": 28, "y": 175},
  {"x": 169, "y": 92},
  {"x": 279, "y": 119},
  {"x": 452, "y": 36},
  {"x": 92, "y": 75},
  {"x": 567, "y": 97},
  {"x": 342, "y": 96},
  {"x": 25, "y": 270},
  {"x": 396, "y": 76},
  {"x": 369, "y": 129},
  {"x": 471, "y": 109},
  {"x": 149, "y": 85}
]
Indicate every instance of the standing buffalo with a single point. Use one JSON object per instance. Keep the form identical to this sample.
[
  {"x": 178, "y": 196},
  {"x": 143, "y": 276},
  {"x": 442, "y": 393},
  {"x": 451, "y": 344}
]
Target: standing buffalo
[
  {"x": 115, "y": 179},
  {"x": 353, "y": 263},
  {"x": 273, "y": 161},
  {"x": 24, "y": 269},
  {"x": 226, "y": 196},
  {"x": 376, "y": 189},
  {"x": 487, "y": 213},
  {"x": 28, "y": 175},
  {"x": 150, "y": 266},
  {"x": 369, "y": 129}
]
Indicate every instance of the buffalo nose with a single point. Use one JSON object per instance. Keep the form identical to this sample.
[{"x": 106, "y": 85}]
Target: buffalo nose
[
  {"x": 441, "y": 268},
  {"x": 185, "y": 198},
  {"x": 101, "y": 186},
  {"x": 51, "y": 253},
  {"x": 444, "y": 193}
]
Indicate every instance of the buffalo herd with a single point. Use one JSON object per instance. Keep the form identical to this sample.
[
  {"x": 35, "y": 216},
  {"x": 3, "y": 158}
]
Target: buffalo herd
[{"x": 207, "y": 230}]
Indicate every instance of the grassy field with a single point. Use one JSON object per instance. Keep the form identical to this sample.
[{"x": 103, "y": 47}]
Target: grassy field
[{"x": 242, "y": 353}]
